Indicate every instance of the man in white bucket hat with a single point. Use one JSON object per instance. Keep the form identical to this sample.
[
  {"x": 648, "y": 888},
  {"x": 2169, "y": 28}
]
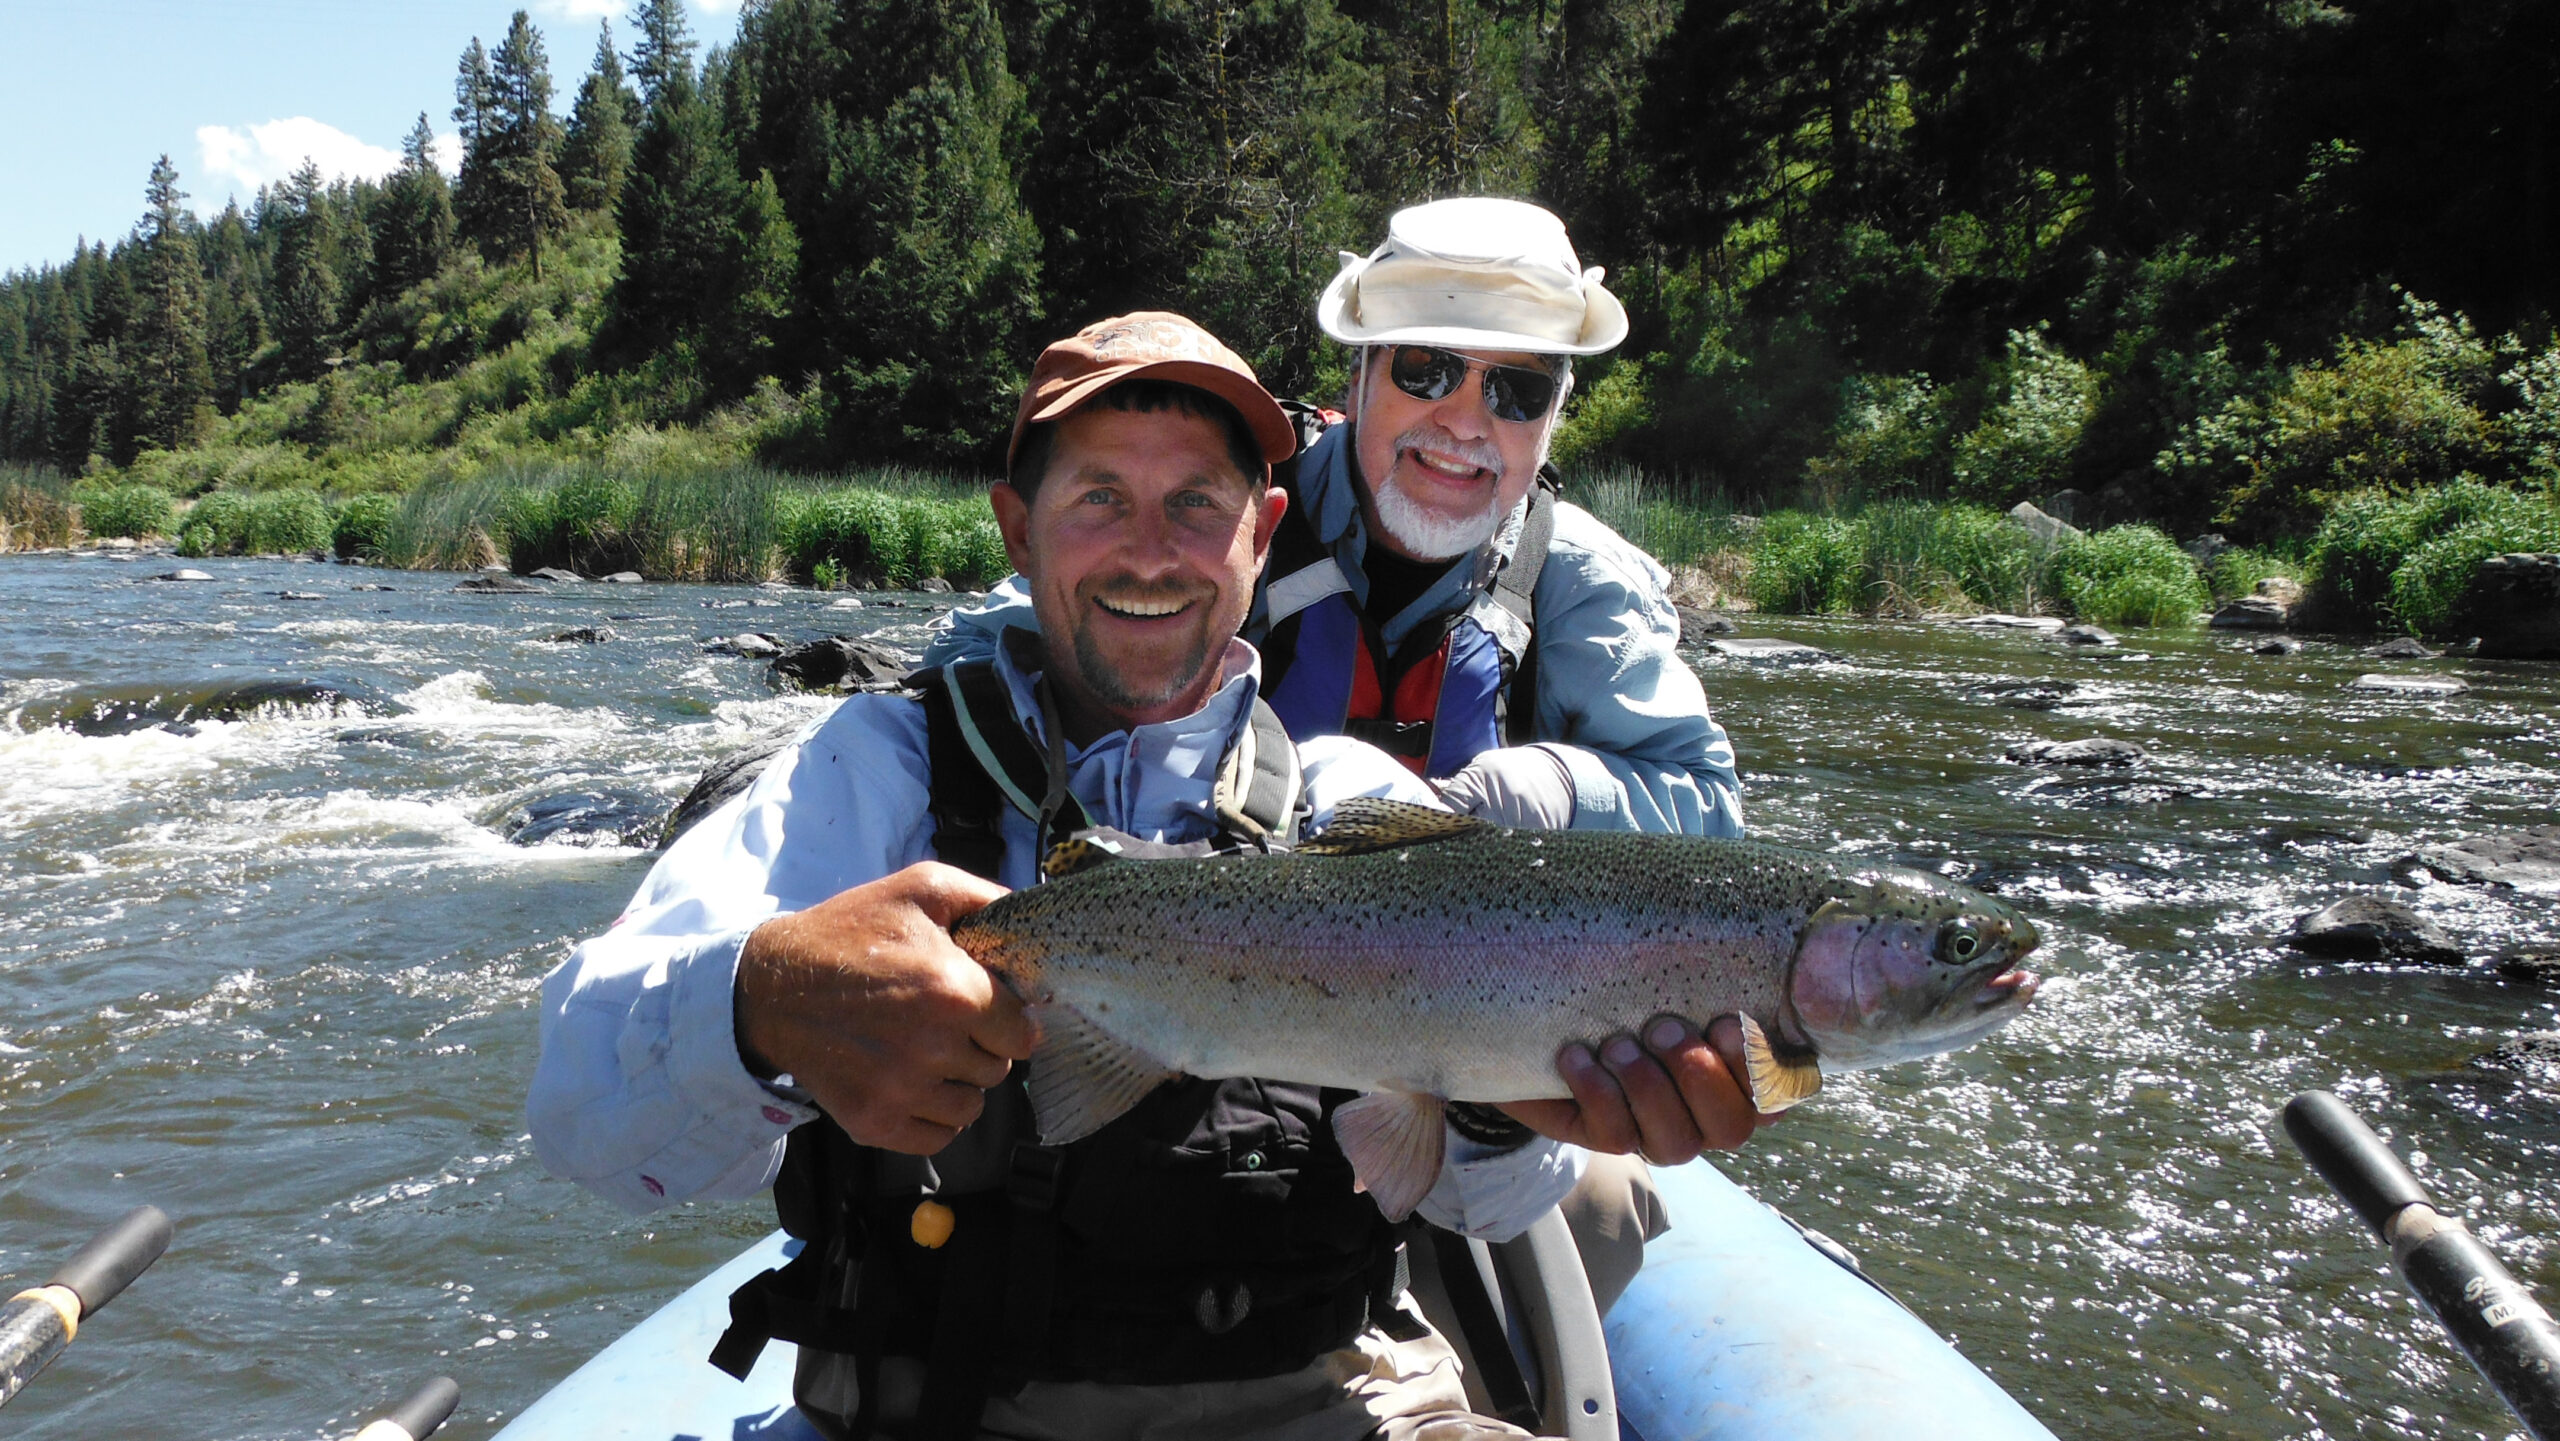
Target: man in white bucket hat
[{"x": 1427, "y": 593}]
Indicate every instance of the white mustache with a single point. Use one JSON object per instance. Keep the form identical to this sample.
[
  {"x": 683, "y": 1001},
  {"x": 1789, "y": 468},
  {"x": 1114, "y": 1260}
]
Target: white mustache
[{"x": 1483, "y": 454}]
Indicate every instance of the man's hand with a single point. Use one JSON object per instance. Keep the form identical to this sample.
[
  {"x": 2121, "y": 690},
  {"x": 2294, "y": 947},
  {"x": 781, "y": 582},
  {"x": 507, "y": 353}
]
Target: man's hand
[
  {"x": 1667, "y": 1100},
  {"x": 865, "y": 1002}
]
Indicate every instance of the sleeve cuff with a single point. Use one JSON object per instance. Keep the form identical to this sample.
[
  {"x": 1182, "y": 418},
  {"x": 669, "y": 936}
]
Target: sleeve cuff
[
  {"x": 1597, "y": 803},
  {"x": 702, "y": 1058}
]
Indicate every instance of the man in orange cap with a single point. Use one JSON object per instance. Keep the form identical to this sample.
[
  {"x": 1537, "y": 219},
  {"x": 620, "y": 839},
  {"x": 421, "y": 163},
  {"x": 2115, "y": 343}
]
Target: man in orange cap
[{"x": 782, "y": 1003}]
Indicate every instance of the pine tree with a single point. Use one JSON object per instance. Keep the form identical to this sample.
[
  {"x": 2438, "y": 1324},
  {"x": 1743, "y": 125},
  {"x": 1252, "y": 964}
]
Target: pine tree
[
  {"x": 235, "y": 321},
  {"x": 413, "y": 224},
  {"x": 523, "y": 204},
  {"x": 171, "y": 377},
  {"x": 306, "y": 289},
  {"x": 665, "y": 51},
  {"x": 925, "y": 268},
  {"x": 475, "y": 104},
  {"x": 598, "y": 153}
]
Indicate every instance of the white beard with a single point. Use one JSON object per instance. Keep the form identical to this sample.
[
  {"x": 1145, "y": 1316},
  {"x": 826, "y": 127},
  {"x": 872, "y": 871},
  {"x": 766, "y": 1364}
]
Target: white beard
[{"x": 1434, "y": 535}]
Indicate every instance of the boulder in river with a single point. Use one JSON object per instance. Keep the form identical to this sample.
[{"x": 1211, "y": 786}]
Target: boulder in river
[
  {"x": 845, "y": 602},
  {"x": 2280, "y": 645},
  {"x": 1768, "y": 649},
  {"x": 2525, "y": 860},
  {"x": 2047, "y": 530},
  {"x": 300, "y": 595},
  {"x": 553, "y": 572},
  {"x": 2030, "y": 694},
  {"x": 497, "y": 585},
  {"x": 2095, "y": 751},
  {"x": 841, "y": 663},
  {"x": 189, "y": 574},
  {"x": 610, "y": 817},
  {"x": 2086, "y": 635},
  {"x": 1999, "y": 621},
  {"x": 1696, "y": 624},
  {"x": 2404, "y": 647},
  {"x": 2369, "y": 928},
  {"x": 2253, "y": 612},
  {"x": 2534, "y": 968},
  {"x": 726, "y": 779},
  {"x": 368, "y": 585},
  {"x": 2514, "y": 603},
  {"x": 934, "y": 585},
  {"x": 620, "y": 577},
  {"x": 752, "y": 644},
  {"x": 2421, "y": 686},
  {"x": 582, "y": 635}
]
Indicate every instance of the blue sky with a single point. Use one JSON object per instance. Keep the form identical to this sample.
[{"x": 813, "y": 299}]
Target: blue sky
[{"x": 236, "y": 92}]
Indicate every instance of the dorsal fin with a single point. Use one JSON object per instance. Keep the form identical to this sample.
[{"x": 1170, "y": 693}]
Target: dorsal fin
[{"x": 1364, "y": 824}]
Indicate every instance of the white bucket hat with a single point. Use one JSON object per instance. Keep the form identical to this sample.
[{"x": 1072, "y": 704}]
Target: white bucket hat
[{"x": 1473, "y": 274}]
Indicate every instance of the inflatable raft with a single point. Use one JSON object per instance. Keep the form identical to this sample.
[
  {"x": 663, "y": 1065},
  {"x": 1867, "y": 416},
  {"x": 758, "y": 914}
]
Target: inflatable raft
[{"x": 1737, "y": 1327}]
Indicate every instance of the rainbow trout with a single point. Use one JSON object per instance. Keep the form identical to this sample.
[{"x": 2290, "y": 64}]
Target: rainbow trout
[{"x": 1423, "y": 958}]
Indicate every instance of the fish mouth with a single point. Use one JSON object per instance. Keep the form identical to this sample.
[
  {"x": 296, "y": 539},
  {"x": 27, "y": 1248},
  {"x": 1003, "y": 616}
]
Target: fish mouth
[{"x": 2012, "y": 987}]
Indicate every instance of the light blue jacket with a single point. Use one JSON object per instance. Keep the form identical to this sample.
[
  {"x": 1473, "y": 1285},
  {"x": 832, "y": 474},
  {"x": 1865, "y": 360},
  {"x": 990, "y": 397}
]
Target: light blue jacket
[
  {"x": 1615, "y": 702},
  {"x": 640, "y": 1095}
]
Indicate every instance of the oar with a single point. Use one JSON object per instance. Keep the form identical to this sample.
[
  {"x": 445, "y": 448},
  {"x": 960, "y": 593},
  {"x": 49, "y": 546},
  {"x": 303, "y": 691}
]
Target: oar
[
  {"x": 416, "y": 1418},
  {"x": 2489, "y": 1314},
  {"x": 36, "y": 1324}
]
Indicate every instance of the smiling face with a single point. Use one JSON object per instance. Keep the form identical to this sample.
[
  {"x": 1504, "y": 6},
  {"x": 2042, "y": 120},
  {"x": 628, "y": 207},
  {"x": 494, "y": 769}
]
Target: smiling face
[
  {"x": 1438, "y": 476},
  {"x": 1140, "y": 546}
]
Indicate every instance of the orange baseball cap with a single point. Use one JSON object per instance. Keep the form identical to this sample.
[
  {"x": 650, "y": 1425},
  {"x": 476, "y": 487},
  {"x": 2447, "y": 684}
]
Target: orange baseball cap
[{"x": 1153, "y": 345}]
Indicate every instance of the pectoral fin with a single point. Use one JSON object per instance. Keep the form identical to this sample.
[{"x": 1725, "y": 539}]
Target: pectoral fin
[
  {"x": 1395, "y": 1140},
  {"x": 1777, "y": 1082},
  {"x": 1364, "y": 824},
  {"x": 1082, "y": 1079}
]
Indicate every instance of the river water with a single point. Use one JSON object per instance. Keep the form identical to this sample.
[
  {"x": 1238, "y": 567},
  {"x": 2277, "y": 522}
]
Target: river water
[{"x": 277, "y": 975}]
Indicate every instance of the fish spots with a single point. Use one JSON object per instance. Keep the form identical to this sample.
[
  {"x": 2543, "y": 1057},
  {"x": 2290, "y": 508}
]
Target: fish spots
[{"x": 1322, "y": 985}]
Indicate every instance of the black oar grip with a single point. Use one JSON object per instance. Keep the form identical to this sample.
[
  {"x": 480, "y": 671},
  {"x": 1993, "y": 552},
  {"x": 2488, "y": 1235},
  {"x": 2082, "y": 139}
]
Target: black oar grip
[
  {"x": 426, "y": 1408},
  {"x": 113, "y": 1257},
  {"x": 2352, "y": 1159}
]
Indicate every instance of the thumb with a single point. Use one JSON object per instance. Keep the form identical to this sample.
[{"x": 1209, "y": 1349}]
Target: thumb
[{"x": 946, "y": 893}]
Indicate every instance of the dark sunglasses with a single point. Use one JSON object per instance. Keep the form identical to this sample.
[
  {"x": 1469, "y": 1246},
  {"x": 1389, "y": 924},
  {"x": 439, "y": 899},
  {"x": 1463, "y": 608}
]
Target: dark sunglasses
[{"x": 1510, "y": 392}]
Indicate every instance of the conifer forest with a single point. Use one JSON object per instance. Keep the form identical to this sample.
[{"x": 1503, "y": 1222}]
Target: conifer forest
[{"x": 2211, "y": 264}]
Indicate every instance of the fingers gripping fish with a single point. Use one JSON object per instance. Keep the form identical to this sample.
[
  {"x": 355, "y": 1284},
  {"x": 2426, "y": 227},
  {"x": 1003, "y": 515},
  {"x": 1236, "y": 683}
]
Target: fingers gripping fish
[{"x": 1422, "y": 958}]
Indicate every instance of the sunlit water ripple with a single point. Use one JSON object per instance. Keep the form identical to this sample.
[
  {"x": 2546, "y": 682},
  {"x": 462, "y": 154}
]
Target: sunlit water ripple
[{"x": 277, "y": 976}]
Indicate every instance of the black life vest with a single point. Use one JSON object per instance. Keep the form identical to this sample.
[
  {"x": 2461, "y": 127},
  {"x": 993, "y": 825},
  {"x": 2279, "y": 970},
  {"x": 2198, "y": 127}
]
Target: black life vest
[
  {"x": 1212, "y": 1233},
  {"x": 1460, "y": 686}
]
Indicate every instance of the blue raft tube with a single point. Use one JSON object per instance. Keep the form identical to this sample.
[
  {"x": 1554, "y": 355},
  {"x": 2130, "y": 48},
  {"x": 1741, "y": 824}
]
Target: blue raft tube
[{"x": 1738, "y": 1327}]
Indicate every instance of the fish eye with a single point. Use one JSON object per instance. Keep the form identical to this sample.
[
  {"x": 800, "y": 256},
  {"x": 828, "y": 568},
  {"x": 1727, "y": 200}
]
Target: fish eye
[{"x": 1959, "y": 943}]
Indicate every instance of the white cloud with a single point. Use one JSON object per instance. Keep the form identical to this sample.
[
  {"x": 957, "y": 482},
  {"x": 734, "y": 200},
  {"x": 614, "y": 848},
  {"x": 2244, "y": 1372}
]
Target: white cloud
[{"x": 267, "y": 153}]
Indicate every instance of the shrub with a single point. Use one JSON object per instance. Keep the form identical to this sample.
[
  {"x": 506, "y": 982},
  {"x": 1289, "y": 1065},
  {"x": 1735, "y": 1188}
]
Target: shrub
[
  {"x": 130, "y": 510},
  {"x": 362, "y": 525},
  {"x": 2023, "y": 445},
  {"x": 35, "y": 509},
  {"x": 2237, "y": 571},
  {"x": 874, "y": 537},
  {"x": 1892, "y": 440},
  {"x": 1808, "y": 564},
  {"x": 278, "y": 522},
  {"x": 1920, "y": 558},
  {"x": 2370, "y": 538},
  {"x": 2127, "y": 575}
]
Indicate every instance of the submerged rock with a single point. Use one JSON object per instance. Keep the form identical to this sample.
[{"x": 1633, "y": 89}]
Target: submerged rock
[
  {"x": 845, "y": 602},
  {"x": 2369, "y": 928},
  {"x": 2526, "y": 860},
  {"x": 369, "y": 585},
  {"x": 582, "y": 635},
  {"x": 1764, "y": 648},
  {"x": 2095, "y": 751},
  {"x": 1697, "y": 624},
  {"x": 586, "y": 818},
  {"x": 2279, "y": 646},
  {"x": 2030, "y": 694},
  {"x": 841, "y": 663},
  {"x": 553, "y": 572},
  {"x": 124, "y": 709},
  {"x": 2087, "y": 635},
  {"x": 2537, "y": 968},
  {"x": 2406, "y": 647},
  {"x": 1999, "y": 621},
  {"x": 2383, "y": 683},
  {"x": 620, "y": 577},
  {"x": 726, "y": 779},
  {"x": 300, "y": 595},
  {"x": 2535, "y": 1053},
  {"x": 497, "y": 585},
  {"x": 2515, "y": 602}
]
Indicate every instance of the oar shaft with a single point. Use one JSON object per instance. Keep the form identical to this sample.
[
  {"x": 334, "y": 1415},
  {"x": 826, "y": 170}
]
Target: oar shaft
[
  {"x": 2487, "y": 1312},
  {"x": 36, "y": 1324},
  {"x": 416, "y": 1418}
]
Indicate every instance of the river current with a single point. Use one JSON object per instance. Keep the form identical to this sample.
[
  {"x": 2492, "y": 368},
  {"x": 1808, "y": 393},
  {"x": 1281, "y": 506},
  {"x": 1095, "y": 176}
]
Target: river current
[{"x": 277, "y": 975}]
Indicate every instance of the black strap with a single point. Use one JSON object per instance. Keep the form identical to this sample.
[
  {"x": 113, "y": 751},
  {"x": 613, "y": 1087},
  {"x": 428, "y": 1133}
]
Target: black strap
[{"x": 1504, "y": 1385}]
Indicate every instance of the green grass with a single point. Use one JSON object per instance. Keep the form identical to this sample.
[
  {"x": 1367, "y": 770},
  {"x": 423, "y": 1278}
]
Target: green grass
[
  {"x": 35, "y": 508},
  {"x": 2382, "y": 561},
  {"x": 2127, "y": 575},
  {"x": 2237, "y": 571},
  {"x": 128, "y": 510},
  {"x": 284, "y": 522}
]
